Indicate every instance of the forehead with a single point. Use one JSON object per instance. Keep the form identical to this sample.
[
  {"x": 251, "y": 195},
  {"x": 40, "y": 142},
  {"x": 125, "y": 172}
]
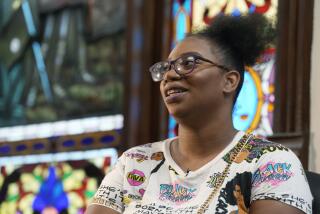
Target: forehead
[{"x": 193, "y": 44}]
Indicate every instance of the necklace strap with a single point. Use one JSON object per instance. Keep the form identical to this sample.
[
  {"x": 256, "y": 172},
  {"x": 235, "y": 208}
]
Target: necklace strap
[{"x": 238, "y": 148}]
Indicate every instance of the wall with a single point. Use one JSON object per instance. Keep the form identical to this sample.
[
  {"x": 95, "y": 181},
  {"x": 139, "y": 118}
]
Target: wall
[{"x": 314, "y": 154}]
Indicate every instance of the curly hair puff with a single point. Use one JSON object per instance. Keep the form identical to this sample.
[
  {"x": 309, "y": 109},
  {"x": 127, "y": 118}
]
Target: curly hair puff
[{"x": 239, "y": 40}]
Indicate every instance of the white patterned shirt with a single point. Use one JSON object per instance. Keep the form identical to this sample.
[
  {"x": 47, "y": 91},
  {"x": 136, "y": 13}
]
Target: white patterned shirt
[{"x": 147, "y": 180}]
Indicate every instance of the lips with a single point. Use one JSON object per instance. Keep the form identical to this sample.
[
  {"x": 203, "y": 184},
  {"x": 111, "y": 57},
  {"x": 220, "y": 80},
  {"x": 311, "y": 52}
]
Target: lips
[
  {"x": 173, "y": 89},
  {"x": 174, "y": 93}
]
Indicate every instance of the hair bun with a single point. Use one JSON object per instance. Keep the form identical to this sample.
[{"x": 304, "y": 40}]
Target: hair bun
[{"x": 247, "y": 36}]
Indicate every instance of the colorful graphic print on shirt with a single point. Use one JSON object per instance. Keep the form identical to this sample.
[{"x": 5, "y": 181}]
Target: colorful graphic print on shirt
[
  {"x": 272, "y": 173},
  {"x": 136, "y": 177},
  {"x": 139, "y": 157},
  {"x": 156, "y": 208},
  {"x": 212, "y": 183},
  {"x": 236, "y": 192},
  {"x": 108, "y": 196},
  {"x": 157, "y": 156},
  {"x": 171, "y": 169},
  {"x": 254, "y": 150},
  {"x": 176, "y": 193},
  {"x": 259, "y": 147},
  {"x": 128, "y": 197}
]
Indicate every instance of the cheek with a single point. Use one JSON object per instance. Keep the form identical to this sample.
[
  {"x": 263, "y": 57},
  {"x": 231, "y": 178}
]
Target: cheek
[
  {"x": 208, "y": 86},
  {"x": 162, "y": 89}
]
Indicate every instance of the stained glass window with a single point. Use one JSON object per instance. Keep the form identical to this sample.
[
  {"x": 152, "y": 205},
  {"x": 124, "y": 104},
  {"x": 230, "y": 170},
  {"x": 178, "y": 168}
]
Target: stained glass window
[
  {"x": 181, "y": 19},
  {"x": 61, "y": 94},
  {"x": 61, "y": 61},
  {"x": 252, "y": 113},
  {"x": 59, "y": 183}
]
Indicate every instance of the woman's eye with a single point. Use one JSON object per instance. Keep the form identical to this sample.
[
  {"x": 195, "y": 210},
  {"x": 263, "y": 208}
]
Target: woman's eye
[
  {"x": 187, "y": 63},
  {"x": 197, "y": 61}
]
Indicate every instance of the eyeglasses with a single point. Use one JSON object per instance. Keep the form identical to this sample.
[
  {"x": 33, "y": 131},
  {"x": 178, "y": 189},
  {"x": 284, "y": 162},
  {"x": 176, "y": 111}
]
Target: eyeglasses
[{"x": 183, "y": 65}]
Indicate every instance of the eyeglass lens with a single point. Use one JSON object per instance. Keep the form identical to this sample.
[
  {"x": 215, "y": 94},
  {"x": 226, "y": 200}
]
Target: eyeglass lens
[{"x": 183, "y": 65}]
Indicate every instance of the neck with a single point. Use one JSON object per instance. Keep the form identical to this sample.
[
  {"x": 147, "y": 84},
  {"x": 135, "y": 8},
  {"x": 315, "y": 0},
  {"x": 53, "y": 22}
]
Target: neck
[{"x": 206, "y": 138}]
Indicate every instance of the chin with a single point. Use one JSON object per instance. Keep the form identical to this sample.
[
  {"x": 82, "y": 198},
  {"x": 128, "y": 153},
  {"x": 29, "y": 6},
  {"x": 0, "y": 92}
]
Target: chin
[{"x": 178, "y": 113}]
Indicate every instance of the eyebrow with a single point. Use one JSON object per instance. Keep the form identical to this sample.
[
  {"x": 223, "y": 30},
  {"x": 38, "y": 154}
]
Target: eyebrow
[{"x": 188, "y": 54}]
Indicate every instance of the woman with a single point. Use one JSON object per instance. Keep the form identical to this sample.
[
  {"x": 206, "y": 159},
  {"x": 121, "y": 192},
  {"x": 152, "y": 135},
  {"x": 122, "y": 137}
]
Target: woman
[{"x": 210, "y": 167}]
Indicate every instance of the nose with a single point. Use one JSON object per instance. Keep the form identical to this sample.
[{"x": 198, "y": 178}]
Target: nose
[{"x": 171, "y": 75}]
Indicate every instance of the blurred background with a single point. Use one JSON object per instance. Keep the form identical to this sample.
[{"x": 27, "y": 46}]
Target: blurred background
[{"x": 75, "y": 90}]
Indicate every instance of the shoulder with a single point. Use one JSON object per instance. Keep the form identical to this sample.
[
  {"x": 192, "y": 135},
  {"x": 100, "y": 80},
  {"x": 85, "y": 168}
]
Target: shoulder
[
  {"x": 146, "y": 152},
  {"x": 259, "y": 149},
  {"x": 139, "y": 162},
  {"x": 278, "y": 174}
]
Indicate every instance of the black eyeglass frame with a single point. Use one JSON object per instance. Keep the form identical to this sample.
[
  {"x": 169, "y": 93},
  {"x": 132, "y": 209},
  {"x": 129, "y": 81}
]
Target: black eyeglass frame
[{"x": 172, "y": 63}]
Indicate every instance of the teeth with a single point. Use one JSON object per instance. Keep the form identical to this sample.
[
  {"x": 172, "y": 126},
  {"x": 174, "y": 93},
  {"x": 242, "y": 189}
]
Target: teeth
[{"x": 174, "y": 91}]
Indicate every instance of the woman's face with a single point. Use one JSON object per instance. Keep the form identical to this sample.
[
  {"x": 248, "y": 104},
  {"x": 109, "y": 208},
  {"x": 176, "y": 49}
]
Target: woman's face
[{"x": 200, "y": 92}]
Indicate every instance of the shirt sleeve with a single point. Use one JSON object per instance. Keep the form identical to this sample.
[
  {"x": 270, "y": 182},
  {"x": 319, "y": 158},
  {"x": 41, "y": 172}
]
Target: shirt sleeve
[
  {"x": 110, "y": 191},
  {"x": 280, "y": 176}
]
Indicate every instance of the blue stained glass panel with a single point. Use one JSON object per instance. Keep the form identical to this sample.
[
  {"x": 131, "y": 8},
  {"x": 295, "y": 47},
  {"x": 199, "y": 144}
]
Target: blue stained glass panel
[
  {"x": 246, "y": 105},
  {"x": 181, "y": 15}
]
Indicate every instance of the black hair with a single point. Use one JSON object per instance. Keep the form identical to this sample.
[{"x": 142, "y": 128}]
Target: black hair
[{"x": 239, "y": 40}]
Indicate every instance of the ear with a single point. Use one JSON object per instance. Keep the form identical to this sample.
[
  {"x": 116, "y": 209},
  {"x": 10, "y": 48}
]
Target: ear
[{"x": 231, "y": 81}]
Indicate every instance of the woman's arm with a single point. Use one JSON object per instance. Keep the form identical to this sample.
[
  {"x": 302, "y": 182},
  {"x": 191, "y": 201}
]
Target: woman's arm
[
  {"x": 272, "y": 206},
  {"x": 279, "y": 184},
  {"x": 97, "y": 209},
  {"x": 108, "y": 197}
]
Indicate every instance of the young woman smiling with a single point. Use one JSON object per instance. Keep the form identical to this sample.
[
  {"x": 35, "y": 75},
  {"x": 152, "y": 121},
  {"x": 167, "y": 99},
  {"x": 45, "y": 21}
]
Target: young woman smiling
[{"x": 210, "y": 167}]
